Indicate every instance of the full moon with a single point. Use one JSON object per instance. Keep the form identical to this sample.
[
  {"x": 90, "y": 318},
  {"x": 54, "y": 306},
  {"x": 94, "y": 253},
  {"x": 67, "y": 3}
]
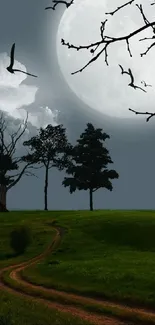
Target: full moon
[{"x": 103, "y": 87}]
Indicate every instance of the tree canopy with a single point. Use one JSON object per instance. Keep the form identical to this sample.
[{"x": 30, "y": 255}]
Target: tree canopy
[
  {"x": 88, "y": 166},
  {"x": 9, "y": 162},
  {"x": 47, "y": 149}
]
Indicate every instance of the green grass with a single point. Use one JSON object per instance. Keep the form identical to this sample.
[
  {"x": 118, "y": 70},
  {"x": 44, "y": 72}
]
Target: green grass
[
  {"x": 41, "y": 235},
  {"x": 106, "y": 254},
  {"x": 14, "y": 310},
  {"x": 109, "y": 254},
  {"x": 27, "y": 312},
  {"x": 112, "y": 311}
]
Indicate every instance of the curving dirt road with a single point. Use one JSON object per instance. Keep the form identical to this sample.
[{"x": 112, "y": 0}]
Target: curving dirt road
[{"x": 92, "y": 317}]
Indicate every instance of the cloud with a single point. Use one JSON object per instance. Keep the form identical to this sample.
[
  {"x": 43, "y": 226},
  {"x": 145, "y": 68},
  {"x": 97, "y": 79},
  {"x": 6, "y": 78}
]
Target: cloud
[
  {"x": 44, "y": 117},
  {"x": 15, "y": 96}
]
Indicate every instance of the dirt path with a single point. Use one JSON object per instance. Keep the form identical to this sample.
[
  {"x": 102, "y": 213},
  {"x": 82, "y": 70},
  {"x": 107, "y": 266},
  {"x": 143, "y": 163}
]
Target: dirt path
[{"x": 92, "y": 317}]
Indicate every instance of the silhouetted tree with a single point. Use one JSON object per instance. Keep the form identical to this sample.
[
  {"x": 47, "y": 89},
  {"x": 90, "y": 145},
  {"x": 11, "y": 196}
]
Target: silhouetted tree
[
  {"x": 48, "y": 149},
  {"x": 89, "y": 163},
  {"x": 101, "y": 46},
  {"x": 8, "y": 161}
]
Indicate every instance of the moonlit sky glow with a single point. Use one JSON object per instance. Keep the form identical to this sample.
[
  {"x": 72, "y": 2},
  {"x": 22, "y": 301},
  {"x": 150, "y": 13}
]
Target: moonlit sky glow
[
  {"x": 103, "y": 87},
  {"x": 52, "y": 97}
]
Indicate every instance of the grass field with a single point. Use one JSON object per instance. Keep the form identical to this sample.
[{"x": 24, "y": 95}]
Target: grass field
[
  {"x": 41, "y": 235},
  {"x": 17, "y": 311},
  {"x": 103, "y": 253}
]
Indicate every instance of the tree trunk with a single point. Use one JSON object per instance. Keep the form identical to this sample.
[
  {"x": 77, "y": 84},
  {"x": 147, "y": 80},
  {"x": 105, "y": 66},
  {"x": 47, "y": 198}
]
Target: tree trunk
[
  {"x": 91, "y": 199},
  {"x": 3, "y": 192},
  {"x": 45, "y": 188}
]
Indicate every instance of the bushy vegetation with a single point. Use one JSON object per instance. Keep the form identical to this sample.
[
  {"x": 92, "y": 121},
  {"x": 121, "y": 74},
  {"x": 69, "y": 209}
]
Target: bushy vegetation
[
  {"x": 20, "y": 238},
  {"x": 5, "y": 320}
]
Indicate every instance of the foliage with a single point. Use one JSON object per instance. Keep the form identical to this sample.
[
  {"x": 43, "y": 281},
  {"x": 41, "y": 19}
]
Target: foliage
[
  {"x": 89, "y": 162},
  {"x": 5, "y": 320},
  {"x": 9, "y": 162},
  {"x": 48, "y": 149},
  {"x": 6, "y": 164},
  {"x": 20, "y": 238}
]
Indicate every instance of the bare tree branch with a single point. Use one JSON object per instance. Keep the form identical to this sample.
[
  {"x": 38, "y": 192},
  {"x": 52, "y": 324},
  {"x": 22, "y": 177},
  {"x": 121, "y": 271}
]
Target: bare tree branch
[
  {"x": 56, "y": 2},
  {"x": 146, "y": 21},
  {"x": 145, "y": 84},
  {"x": 28, "y": 173},
  {"x": 148, "y": 49},
  {"x": 131, "y": 84},
  {"x": 118, "y": 8},
  {"x": 8, "y": 160},
  {"x": 18, "y": 178},
  {"x": 105, "y": 41},
  {"x": 10, "y": 148},
  {"x": 143, "y": 113},
  {"x": 3, "y": 127},
  {"x": 17, "y": 135}
]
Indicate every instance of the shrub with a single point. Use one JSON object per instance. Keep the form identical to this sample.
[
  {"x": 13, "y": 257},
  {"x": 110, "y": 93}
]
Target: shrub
[
  {"x": 54, "y": 263},
  {"x": 5, "y": 320},
  {"x": 20, "y": 239}
]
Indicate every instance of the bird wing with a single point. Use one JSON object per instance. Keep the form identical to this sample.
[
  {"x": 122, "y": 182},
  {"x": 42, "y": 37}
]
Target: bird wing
[
  {"x": 12, "y": 55},
  {"x": 48, "y": 8},
  {"x": 29, "y": 74}
]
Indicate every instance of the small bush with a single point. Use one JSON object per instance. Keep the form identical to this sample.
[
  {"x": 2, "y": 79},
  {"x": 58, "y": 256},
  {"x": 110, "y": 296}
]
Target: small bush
[
  {"x": 5, "y": 320},
  {"x": 54, "y": 262},
  {"x": 20, "y": 239}
]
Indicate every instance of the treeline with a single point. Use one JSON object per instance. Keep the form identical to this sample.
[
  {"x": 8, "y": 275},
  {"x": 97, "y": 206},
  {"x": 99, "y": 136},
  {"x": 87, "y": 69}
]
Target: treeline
[{"x": 85, "y": 163}]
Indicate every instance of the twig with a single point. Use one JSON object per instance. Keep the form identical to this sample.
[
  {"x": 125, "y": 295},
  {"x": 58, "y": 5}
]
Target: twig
[
  {"x": 143, "y": 113},
  {"x": 56, "y": 2},
  {"x": 118, "y": 8},
  {"x": 106, "y": 41},
  {"x": 145, "y": 84},
  {"x": 129, "y": 73}
]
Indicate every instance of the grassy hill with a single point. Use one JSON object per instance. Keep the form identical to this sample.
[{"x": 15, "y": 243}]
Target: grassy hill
[
  {"x": 105, "y": 254},
  {"x": 109, "y": 254}
]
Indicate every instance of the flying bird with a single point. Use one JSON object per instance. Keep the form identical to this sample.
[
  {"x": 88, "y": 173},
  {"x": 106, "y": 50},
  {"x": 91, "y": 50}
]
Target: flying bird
[
  {"x": 131, "y": 84},
  {"x": 10, "y": 67},
  {"x": 145, "y": 84},
  {"x": 56, "y": 2}
]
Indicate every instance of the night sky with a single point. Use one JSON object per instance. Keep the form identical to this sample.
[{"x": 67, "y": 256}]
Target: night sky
[{"x": 131, "y": 144}]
